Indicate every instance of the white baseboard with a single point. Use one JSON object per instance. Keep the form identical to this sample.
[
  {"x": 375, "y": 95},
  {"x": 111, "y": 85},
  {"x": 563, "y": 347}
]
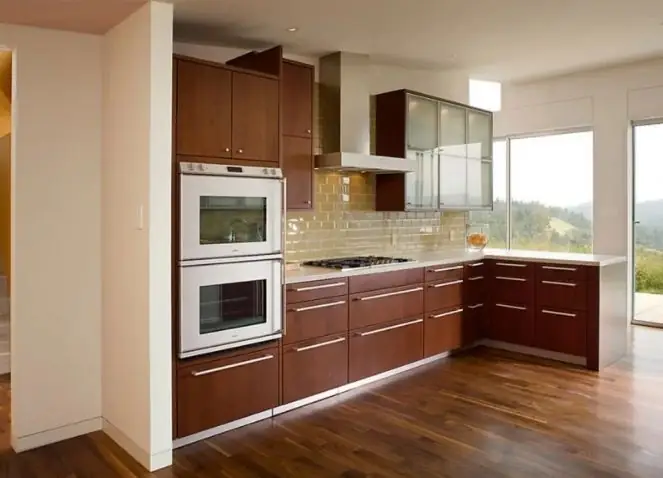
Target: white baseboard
[
  {"x": 72, "y": 430},
  {"x": 522, "y": 349},
  {"x": 147, "y": 461},
  {"x": 226, "y": 427}
]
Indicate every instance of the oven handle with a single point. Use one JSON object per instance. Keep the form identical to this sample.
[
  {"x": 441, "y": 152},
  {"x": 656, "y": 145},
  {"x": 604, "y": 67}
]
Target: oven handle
[
  {"x": 284, "y": 198},
  {"x": 232, "y": 365}
]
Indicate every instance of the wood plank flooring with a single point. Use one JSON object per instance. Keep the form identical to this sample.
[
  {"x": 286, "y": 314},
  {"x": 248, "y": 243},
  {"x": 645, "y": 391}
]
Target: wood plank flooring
[{"x": 482, "y": 414}]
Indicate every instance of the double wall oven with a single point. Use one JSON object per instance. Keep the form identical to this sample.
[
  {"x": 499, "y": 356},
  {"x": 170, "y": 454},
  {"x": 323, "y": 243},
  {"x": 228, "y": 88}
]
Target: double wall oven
[{"x": 231, "y": 256}]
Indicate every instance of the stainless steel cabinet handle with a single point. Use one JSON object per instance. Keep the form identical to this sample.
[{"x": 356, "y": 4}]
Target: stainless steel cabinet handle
[
  {"x": 389, "y": 294},
  {"x": 444, "y": 284},
  {"x": 392, "y": 327},
  {"x": 475, "y": 306},
  {"x": 563, "y": 314},
  {"x": 444, "y": 269},
  {"x": 227, "y": 150},
  {"x": 476, "y": 278},
  {"x": 232, "y": 365},
  {"x": 445, "y": 314},
  {"x": 322, "y": 344},
  {"x": 515, "y": 307},
  {"x": 510, "y": 264},
  {"x": 476, "y": 264},
  {"x": 552, "y": 282},
  {"x": 316, "y": 287},
  {"x": 321, "y": 306},
  {"x": 308, "y": 202},
  {"x": 240, "y": 151},
  {"x": 557, "y": 268},
  {"x": 308, "y": 131},
  {"x": 515, "y": 279}
]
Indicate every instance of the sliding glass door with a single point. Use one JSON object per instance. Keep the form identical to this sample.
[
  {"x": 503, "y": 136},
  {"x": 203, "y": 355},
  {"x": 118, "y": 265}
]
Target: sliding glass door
[{"x": 648, "y": 223}]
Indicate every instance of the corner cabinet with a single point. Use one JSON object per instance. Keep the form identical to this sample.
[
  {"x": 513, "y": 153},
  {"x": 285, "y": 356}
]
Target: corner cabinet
[{"x": 451, "y": 144}]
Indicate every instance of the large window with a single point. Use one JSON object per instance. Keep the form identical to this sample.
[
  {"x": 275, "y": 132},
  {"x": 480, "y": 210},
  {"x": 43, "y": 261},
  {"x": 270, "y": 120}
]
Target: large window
[{"x": 542, "y": 193}]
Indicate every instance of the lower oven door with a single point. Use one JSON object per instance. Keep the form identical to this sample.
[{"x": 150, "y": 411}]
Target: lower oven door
[{"x": 228, "y": 305}]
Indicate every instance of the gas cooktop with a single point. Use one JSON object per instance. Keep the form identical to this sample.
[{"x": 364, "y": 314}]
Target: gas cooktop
[{"x": 348, "y": 263}]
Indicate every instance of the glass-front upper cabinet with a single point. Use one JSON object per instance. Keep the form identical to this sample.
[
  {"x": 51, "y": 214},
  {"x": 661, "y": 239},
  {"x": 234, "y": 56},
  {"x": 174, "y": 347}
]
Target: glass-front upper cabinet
[
  {"x": 453, "y": 130},
  {"x": 421, "y": 123},
  {"x": 422, "y": 187},
  {"x": 479, "y": 183},
  {"x": 453, "y": 181},
  {"x": 480, "y": 134}
]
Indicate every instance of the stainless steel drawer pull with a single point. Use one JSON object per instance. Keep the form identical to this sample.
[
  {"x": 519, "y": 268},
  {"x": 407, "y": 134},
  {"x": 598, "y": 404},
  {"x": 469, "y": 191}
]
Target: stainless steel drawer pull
[
  {"x": 392, "y": 327},
  {"x": 445, "y": 314},
  {"x": 475, "y": 306},
  {"x": 444, "y": 269},
  {"x": 510, "y": 264},
  {"x": 321, "y": 306},
  {"x": 444, "y": 284},
  {"x": 232, "y": 365},
  {"x": 552, "y": 282},
  {"x": 515, "y": 279},
  {"x": 316, "y": 287},
  {"x": 389, "y": 294},
  {"x": 322, "y": 344},
  {"x": 476, "y": 264},
  {"x": 557, "y": 268},
  {"x": 515, "y": 307},
  {"x": 552, "y": 312},
  {"x": 476, "y": 278}
]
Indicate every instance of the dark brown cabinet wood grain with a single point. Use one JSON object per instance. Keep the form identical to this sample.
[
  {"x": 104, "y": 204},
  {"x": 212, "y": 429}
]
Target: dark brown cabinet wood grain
[
  {"x": 512, "y": 323},
  {"x": 375, "y": 307},
  {"x": 317, "y": 289},
  {"x": 298, "y": 81},
  {"x": 203, "y": 110},
  {"x": 317, "y": 318},
  {"x": 444, "y": 294},
  {"x": 563, "y": 331},
  {"x": 443, "y": 331},
  {"x": 298, "y": 170}
]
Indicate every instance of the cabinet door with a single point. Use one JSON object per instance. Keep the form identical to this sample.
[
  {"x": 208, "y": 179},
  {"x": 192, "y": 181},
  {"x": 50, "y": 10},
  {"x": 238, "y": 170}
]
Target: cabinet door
[
  {"x": 512, "y": 323},
  {"x": 563, "y": 331},
  {"x": 298, "y": 170},
  {"x": 255, "y": 118},
  {"x": 203, "y": 115},
  {"x": 422, "y": 120},
  {"x": 479, "y": 182},
  {"x": 314, "y": 367},
  {"x": 479, "y": 134},
  {"x": 453, "y": 130},
  {"x": 453, "y": 181},
  {"x": 297, "y": 100},
  {"x": 443, "y": 331},
  {"x": 422, "y": 186},
  {"x": 475, "y": 325}
]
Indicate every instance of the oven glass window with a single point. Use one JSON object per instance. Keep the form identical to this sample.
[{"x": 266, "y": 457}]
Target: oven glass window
[
  {"x": 232, "y": 306},
  {"x": 225, "y": 219}
]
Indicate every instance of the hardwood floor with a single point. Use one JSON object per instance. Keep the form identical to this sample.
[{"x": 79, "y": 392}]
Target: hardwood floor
[{"x": 482, "y": 414}]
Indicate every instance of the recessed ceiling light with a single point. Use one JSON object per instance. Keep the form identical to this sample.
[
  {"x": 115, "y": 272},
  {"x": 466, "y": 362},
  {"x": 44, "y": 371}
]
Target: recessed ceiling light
[{"x": 292, "y": 29}]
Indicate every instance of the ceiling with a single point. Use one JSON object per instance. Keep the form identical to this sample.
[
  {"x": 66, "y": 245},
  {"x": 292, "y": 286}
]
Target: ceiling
[
  {"x": 492, "y": 39},
  {"x": 84, "y": 16}
]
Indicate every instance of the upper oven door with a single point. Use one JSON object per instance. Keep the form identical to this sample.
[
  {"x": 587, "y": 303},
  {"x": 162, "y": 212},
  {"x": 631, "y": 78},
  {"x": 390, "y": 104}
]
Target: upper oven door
[{"x": 225, "y": 216}]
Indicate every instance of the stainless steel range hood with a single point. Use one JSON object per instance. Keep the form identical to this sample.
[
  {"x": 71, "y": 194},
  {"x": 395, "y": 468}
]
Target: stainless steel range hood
[{"x": 346, "y": 118}]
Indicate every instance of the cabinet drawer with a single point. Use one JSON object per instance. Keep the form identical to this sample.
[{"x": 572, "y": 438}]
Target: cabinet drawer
[
  {"x": 475, "y": 323},
  {"x": 562, "y": 331},
  {"x": 444, "y": 294},
  {"x": 561, "y": 272},
  {"x": 512, "y": 323},
  {"x": 475, "y": 289},
  {"x": 512, "y": 289},
  {"x": 476, "y": 269},
  {"x": 512, "y": 269},
  {"x": 224, "y": 390},
  {"x": 443, "y": 331},
  {"x": 369, "y": 308},
  {"x": 319, "y": 289},
  {"x": 562, "y": 294},
  {"x": 314, "y": 367},
  {"x": 385, "y": 280},
  {"x": 378, "y": 349},
  {"x": 316, "y": 318},
  {"x": 447, "y": 272}
]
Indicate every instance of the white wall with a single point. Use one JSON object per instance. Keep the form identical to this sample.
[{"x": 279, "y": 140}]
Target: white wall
[
  {"x": 606, "y": 100},
  {"x": 136, "y": 196},
  {"x": 56, "y": 286}
]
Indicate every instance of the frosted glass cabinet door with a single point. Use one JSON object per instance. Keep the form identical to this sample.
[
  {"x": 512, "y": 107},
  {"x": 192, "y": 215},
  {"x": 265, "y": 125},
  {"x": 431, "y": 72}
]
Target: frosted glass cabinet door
[
  {"x": 480, "y": 135},
  {"x": 421, "y": 186},
  {"x": 453, "y": 137},
  {"x": 453, "y": 181},
  {"x": 421, "y": 123},
  {"x": 479, "y": 183}
]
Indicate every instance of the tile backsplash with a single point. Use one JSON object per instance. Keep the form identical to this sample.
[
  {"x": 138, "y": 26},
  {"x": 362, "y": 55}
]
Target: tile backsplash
[{"x": 345, "y": 222}]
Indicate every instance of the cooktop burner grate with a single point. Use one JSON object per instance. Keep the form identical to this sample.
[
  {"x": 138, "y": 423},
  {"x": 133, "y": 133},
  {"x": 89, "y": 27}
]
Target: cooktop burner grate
[{"x": 346, "y": 263}]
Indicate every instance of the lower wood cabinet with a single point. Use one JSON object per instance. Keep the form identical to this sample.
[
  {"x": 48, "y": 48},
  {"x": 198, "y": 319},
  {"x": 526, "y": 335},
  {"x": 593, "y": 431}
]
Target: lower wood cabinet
[
  {"x": 443, "y": 331},
  {"x": 377, "y": 349},
  {"x": 475, "y": 323},
  {"x": 381, "y": 306},
  {"x": 212, "y": 393},
  {"x": 512, "y": 323},
  {"x": 563, "y": 331},
  {"x": 314, "y": 366},
  {"x": 316, "y": 318},
  {"x": 444, "y": 294}
]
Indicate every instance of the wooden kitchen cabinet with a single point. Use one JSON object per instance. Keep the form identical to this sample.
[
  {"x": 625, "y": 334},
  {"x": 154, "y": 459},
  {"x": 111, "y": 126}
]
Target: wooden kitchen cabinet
[
  {"x": 475, "y": 318},
  {"x": 203, "y": 113},
  {"x": 215, "y": 392},
  {"x": 563, "y": 331},
  {"x": 316, "y": 318},
  {"x": 385, "y": 305},
  {"x": 512, "y": 323},
  {"x": 443, "y": 331},
  {"x": 298, "y": 171},
  {"x": 377, "y": 349},
  {"x": 314, "y": 366},
  {"x": 255, "y": 117},
  {"x": 298, "y": 79}
]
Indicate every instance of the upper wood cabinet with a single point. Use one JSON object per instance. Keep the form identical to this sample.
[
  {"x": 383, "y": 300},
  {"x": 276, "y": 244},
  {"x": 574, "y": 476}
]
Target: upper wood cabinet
[
  {"x": 451, "y": 144},
  {"x": 225, "y": 115},
  {"x": 297, "y": 99},
  {"x": 298, "y": 170}
]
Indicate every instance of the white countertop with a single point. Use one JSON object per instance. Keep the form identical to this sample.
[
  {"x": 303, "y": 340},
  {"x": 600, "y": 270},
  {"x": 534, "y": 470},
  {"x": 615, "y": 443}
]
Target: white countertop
[{"x": 424, "y": 259}]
